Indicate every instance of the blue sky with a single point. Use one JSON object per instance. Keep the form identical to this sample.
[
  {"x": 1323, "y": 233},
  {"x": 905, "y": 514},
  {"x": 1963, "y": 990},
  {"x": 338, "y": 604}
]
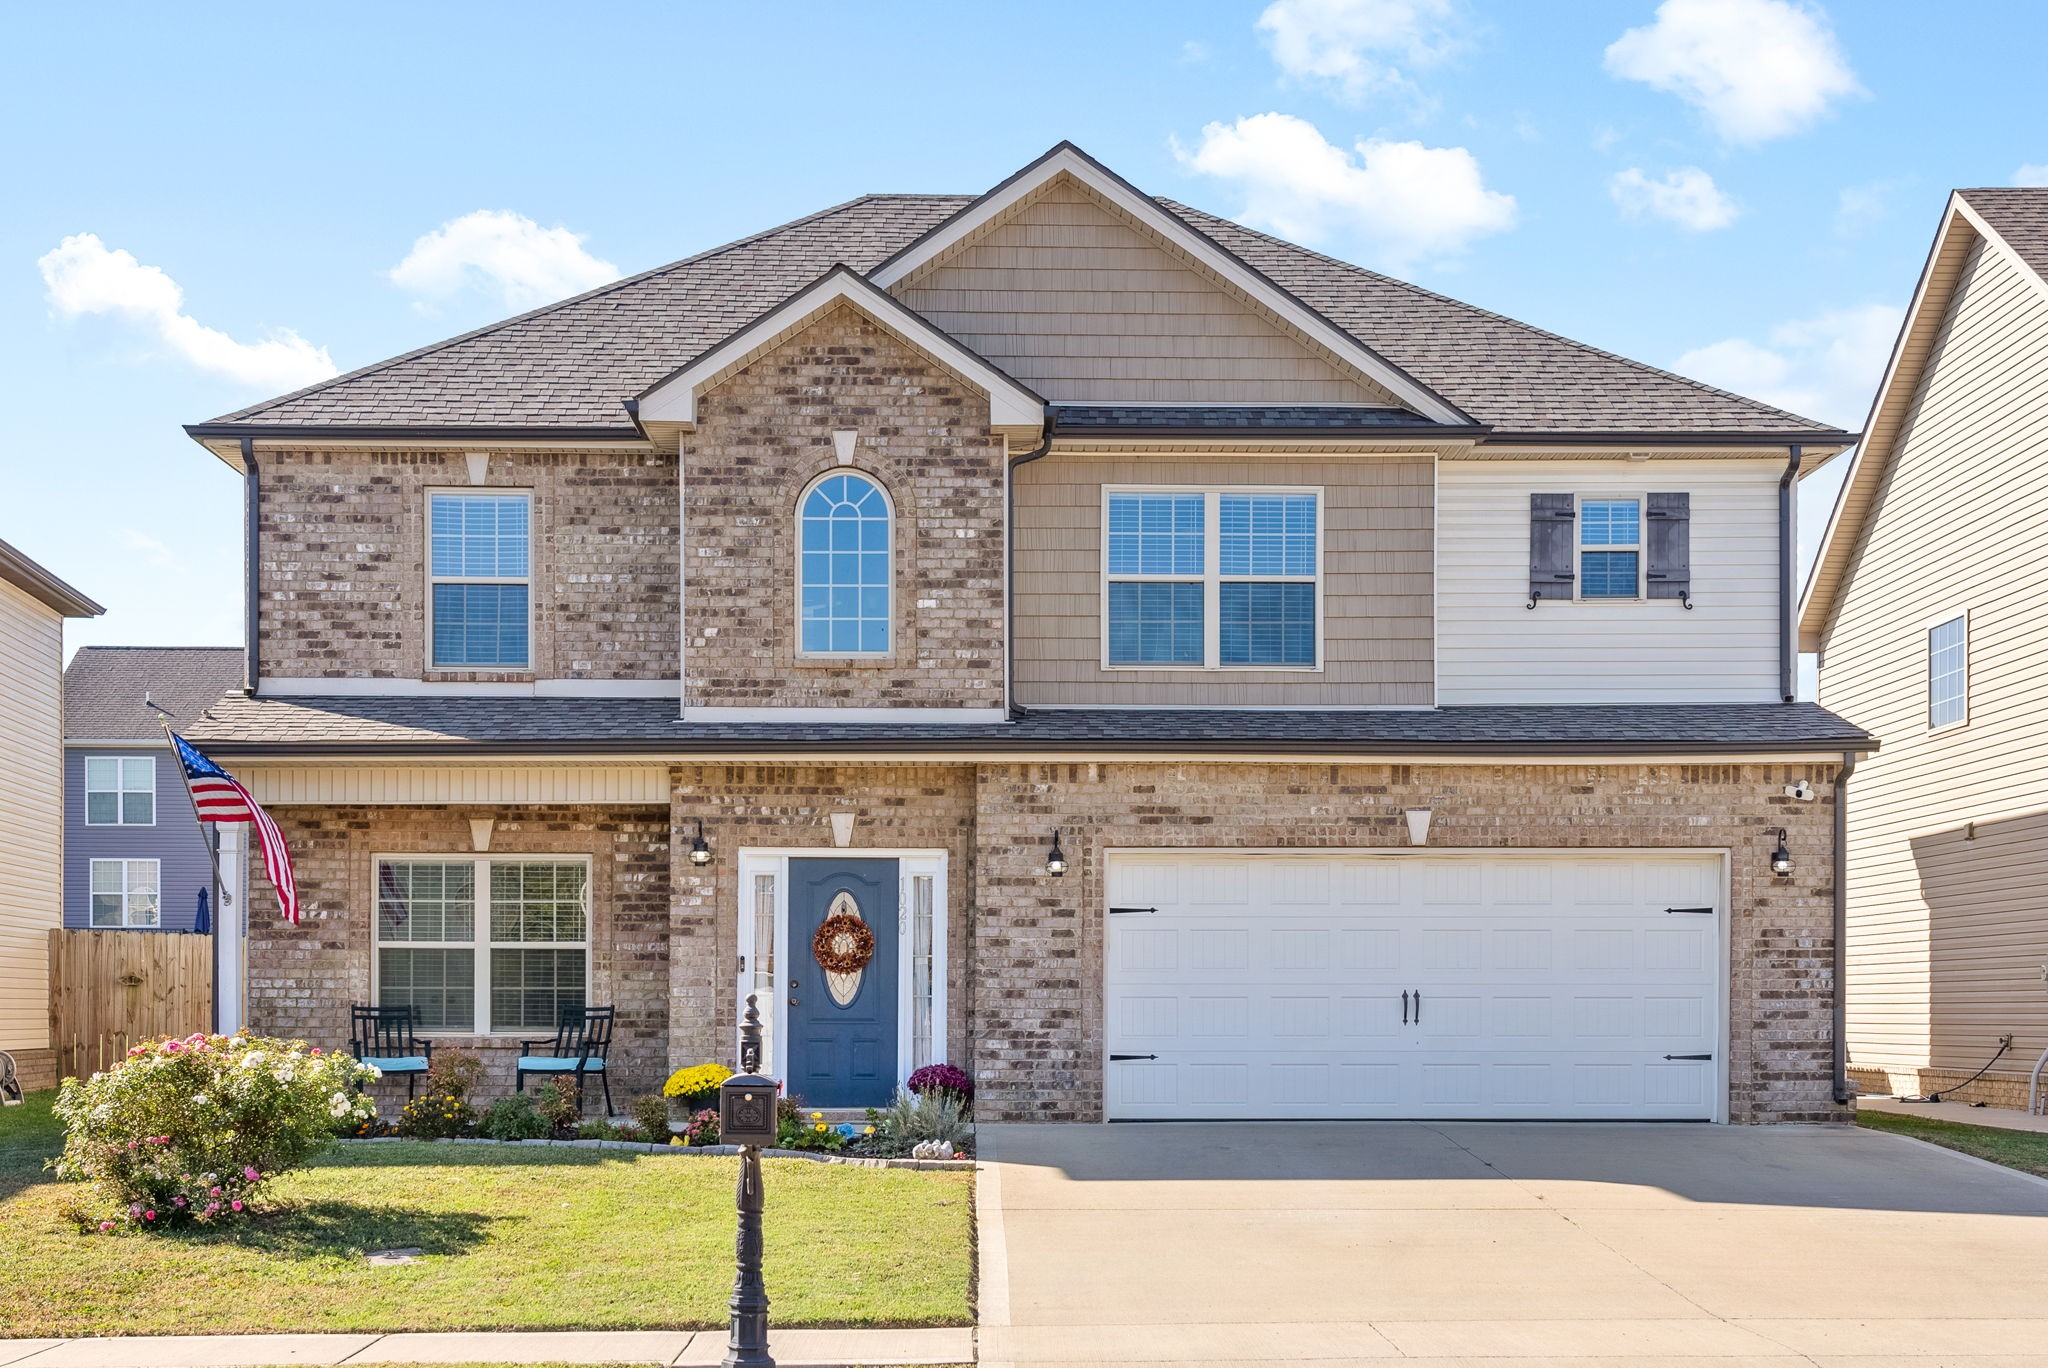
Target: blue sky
[{"x": 212, "y": 203}]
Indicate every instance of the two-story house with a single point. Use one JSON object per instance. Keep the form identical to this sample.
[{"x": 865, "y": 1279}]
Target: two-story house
[
  {"x": 1929, "y": 606},
  {"x": 33, "y": 606},
  {"x": 134, "y": 855},
  {"x": 1164, "y": 670}
]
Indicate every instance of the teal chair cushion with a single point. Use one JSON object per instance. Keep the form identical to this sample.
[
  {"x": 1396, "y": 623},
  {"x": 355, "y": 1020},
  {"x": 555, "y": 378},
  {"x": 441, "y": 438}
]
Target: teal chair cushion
[
  {"x": 399, "y": 1064},
  {"x": 550, "y": 1064}
]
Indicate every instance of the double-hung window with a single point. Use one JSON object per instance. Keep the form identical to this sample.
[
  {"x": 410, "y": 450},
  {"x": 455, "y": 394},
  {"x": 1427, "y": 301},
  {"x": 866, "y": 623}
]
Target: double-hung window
[
  {"x": 1610, "y": 548},
  {"x": 483, "y": 945},
  {"x": 1213, "y": 578},
  {"x": 1948, "y": 673},
  {"x": 480, "y": 566},
  {"x": 127, "y": 893},
  {"x": 120, "y": 790}
]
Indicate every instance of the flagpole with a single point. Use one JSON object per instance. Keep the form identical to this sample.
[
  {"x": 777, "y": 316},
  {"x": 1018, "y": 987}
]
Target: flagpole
[{"x": 221, "y": 897}]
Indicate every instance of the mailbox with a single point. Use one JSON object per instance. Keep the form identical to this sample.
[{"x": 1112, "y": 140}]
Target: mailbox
[{"x": 746, "y": 1110}]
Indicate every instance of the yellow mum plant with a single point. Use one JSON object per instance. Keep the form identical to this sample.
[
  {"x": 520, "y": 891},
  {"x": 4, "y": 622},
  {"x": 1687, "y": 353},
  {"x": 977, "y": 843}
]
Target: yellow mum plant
[{"x": 695, "y": 1081}]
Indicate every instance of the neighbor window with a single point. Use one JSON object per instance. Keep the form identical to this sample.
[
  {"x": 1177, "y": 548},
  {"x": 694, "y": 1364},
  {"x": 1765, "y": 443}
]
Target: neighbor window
[
  {"x": 1948, "y": 672},
  {"x": 480, "y": 565},
  {"x": 1213, "y": 578},
  {"x": 844, "y": 572},
  {"x": 483, "y": 945},
  {"x": 120, "y": 790},
  {"x": 1610, "y": 548},
  {"x": 126, "y": 893}
]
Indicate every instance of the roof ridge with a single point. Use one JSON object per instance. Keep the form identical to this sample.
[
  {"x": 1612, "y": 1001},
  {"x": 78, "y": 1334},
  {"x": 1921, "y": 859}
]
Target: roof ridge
[
  {"x": 1411, "y": 287},
  {"x": 609, "y": 286}
]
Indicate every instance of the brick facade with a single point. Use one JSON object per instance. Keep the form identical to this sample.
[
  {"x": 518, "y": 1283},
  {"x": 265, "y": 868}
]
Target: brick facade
[
  {"x": 1025, "y": 961},
  {"x": 343, "y": 574},
  {"x": 764, "y": 433}
]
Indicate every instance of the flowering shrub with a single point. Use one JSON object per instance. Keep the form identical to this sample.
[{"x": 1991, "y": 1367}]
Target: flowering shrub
[
  {"x": 186, "y": 1130},
  {"x": 703, "y": 1129},
  {"x": 443, "y": 1109},
  {"x": 944, "y": 1078},
  {"x": 797, "y": 1130},
  {"x": 698, "y": 1083}
]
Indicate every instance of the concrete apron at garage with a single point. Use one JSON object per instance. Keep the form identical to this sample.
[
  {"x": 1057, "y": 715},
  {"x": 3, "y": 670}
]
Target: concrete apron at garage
[{"x": 1453, "y": 1243}]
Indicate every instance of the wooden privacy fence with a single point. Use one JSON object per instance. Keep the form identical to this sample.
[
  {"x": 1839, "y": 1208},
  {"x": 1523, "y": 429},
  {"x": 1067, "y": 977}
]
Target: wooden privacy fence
[{"x": 111, "y": 989}]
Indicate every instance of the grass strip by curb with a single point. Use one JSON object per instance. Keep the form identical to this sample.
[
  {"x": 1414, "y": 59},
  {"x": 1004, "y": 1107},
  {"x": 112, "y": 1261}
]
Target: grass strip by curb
[{"x": 2026, "y": 1151}]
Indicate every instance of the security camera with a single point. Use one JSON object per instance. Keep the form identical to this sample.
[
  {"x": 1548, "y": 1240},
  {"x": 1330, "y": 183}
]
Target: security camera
[{"x": 1801, "y": 790}]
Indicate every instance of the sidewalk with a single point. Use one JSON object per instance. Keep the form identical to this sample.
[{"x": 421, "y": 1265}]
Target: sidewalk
[
  {"x": 2002, "y": 1118},
  {"x": 685, "y": 1348}
]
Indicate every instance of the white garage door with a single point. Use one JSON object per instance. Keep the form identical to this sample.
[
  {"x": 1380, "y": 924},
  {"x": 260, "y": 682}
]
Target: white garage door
[{"x": 1395, "y": 985}]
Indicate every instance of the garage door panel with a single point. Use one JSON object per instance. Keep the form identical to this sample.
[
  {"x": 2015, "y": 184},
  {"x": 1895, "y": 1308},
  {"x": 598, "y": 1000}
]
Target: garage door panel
[{"x": 1548, "y": 987}]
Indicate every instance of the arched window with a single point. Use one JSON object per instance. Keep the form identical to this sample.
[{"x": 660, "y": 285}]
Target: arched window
[{"x": 844, "y": 577}]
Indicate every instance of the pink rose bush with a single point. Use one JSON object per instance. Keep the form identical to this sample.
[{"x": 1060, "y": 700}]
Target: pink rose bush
[{"x": 187, "y": 1130}]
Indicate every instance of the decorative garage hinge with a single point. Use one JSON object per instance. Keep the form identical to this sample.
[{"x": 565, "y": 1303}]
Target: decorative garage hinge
[
  {"x": 1126, "y": 911},
  {"x": 1704, "y": 1056},
  {"x": 1689, "y": 911},
  {"x": 1118, "y": 1059}
]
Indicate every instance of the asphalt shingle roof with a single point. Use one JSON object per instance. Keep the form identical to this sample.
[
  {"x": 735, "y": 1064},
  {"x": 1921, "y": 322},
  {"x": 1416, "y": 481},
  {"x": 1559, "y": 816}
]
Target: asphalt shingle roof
[
  {"x": 2019, "y": 214},
  {"x": 572, "y": 364},
  {"x": 1236, "y": 417},
  {"x": 104, "y": 688},
  {"x": 457, "y": 725}
]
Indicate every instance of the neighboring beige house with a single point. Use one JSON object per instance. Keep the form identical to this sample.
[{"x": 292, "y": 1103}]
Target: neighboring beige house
[
  {"x": 33, "y": 606},
  {"x": 1406, "y": 690},
  {"x": 1929, "y": 606}
]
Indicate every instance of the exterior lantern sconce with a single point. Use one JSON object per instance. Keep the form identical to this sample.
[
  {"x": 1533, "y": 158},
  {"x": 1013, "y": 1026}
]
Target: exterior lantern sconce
[
  {"x": 1056, "y": 859},
  {"x": 700, "y": 854},
  {"x": 1418, "y": 825},
  {"x": 1781, "y": 858}
]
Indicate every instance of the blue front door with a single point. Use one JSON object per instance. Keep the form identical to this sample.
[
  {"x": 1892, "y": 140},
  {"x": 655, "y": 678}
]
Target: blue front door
[{"x": 842, "y": 1027}]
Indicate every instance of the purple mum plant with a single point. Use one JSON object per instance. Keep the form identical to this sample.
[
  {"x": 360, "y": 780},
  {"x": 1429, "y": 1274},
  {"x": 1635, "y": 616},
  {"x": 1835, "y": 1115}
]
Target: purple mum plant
[{"x": 943, "y": 1078}]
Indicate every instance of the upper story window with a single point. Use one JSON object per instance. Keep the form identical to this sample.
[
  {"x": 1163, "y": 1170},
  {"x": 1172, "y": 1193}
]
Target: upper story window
[
  {"x": 1610, "y": 548},
  {"x": 126, "y": 893},
  {"x": 844, "y": 577},
  {"x": 1948, "y": 673},
  {"x": 1213, "y": 578},
  {"x": 479, "y": 566},
  {"x": 120, "y": 790}
]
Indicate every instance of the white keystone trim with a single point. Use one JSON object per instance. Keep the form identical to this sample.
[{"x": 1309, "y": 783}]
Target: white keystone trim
[
  {"x": 979, "y": 717},
  {"x": 674, "y": 400},
  {"x": 1069, "y": 160}
]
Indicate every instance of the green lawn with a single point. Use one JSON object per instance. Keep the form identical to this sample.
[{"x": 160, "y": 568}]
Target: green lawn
[
  {"x": 516, "y": 1238},
  {"x": 2026, "y": 1151}
]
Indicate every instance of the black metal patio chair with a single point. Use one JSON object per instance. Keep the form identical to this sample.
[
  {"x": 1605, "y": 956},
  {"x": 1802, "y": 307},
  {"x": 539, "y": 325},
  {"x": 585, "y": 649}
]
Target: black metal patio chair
[
  {"x": 383, "y": 1037},
  {"x": 579, "y": 1046}
]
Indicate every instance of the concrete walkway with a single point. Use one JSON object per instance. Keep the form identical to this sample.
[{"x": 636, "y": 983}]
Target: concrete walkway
[
  {"x": 792, "y": 1349},
  {"x": 2001, "y": 1118},
  {"x": 1511, "y": 1245}
]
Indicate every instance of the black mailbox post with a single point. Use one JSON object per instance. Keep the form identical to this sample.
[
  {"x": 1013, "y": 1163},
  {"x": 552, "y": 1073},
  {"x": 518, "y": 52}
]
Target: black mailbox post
[{"x": 746, "y": 1117}]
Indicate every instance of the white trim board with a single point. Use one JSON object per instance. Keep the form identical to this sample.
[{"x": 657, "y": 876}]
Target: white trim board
[
  {"x": 1069, "y": 160},
  {"x": 979, "y": 717},
  {"x": 272, "y": 686},
  {"x": 674, "y": 400}
]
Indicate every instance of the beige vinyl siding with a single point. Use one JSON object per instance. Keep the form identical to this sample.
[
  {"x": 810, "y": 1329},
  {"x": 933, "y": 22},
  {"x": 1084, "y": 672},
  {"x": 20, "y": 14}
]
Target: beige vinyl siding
[
  {"x": 31, "y": 813},
  {"x": 1947, "y": 936},
  {"x": 1068, "y": 296},
  {"x": 1493, "y": 648},
  {"x": 1376, "y": 512}
]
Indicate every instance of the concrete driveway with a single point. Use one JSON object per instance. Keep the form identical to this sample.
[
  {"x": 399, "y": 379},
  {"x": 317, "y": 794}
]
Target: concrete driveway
[{"x": 1504, "y": 1244}]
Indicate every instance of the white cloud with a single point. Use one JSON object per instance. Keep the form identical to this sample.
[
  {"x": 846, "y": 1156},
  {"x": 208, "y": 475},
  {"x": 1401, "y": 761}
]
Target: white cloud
[
  {"x": 1407, "y": 202},
  {"x": 1824, "y": 367},
  {"x": 1859, "y": 208},
  {"x": 2032, "y": 174},
  {"x": 1687, "y": 197},
  {"x": 1357, "y": 49},
  {"x": 150, "y": 547},
  {"x": 82, "y": 275},
  {"x": 1757, "y": 69},
  {"x": 504, "y": 253}
]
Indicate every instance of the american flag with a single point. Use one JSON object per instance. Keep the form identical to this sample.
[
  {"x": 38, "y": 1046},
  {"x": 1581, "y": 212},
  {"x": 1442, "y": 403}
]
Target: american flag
[{"x": 220, "y": 798}]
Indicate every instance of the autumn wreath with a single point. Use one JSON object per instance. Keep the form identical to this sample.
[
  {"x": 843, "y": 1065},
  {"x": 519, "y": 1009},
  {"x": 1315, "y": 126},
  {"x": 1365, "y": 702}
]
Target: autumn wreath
[{"x": 844, "y": 944}]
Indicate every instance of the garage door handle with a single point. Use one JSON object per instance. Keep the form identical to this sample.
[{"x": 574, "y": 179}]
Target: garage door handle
[
  {"x": 1404, "y": 1006},
  {"x": 1704, "y": 1056},
  {"x": 1118, "y": 1059},
  {"x": 1418, "y": 1006}
]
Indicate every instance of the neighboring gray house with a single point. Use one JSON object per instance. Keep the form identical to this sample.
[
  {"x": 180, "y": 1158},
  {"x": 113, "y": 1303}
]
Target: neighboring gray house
[{"x": 133, "y": 854}]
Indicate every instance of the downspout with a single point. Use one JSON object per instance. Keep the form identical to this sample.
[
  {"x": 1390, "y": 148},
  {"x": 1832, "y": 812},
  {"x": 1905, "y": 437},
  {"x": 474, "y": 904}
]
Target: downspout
[
  {"x": 252, "y": 602},
  {"x": 1788, "y": 588},
  {"x": 1843, "y": 1094},
  {"x": 1010, "y": 569}
]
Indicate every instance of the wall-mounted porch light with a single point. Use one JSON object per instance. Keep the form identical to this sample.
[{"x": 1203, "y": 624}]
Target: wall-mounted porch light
[
  {"x": 700, "y": 854},
  {"x": 1056, "y": 859},
  {"x": 1781, "y": 858}
]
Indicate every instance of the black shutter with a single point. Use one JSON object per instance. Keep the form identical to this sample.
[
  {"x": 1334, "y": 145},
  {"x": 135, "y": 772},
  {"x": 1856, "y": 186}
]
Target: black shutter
[
  {"x": 1553, "y": 543},
  {"x": 1668, "y": 542}
]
